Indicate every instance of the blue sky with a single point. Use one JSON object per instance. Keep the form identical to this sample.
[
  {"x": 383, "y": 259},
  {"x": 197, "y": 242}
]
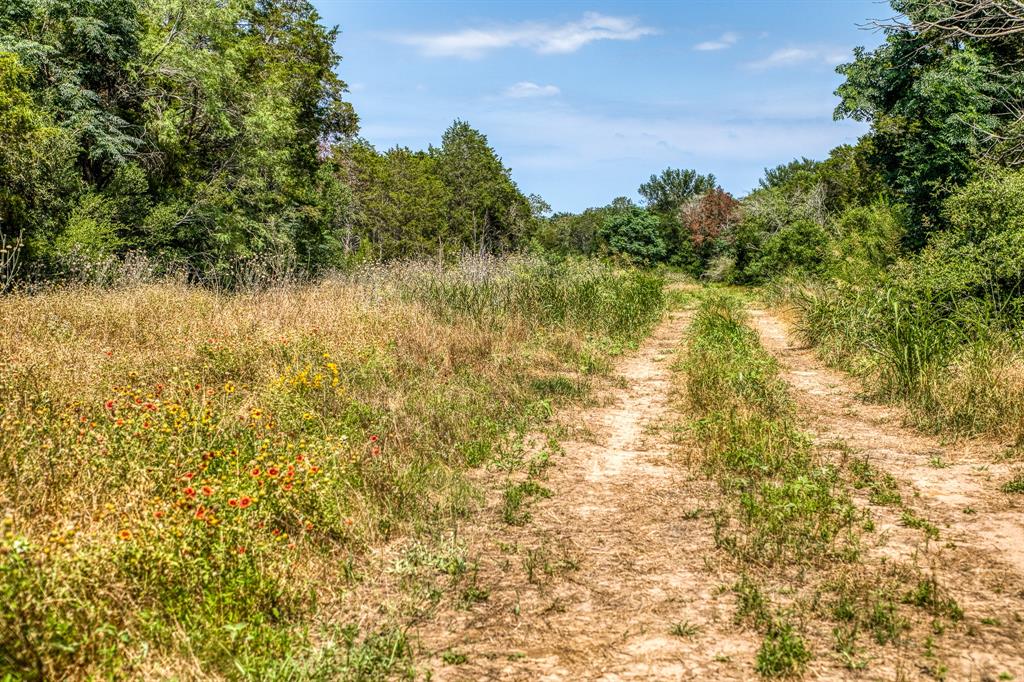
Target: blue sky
[{"x": 585, "y": 100}]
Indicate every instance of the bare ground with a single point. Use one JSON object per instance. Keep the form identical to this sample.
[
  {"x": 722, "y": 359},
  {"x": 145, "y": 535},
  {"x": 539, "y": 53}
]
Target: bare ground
[
  {"x": 979, "y": 555},
  {"x": 591, "y": 587}
]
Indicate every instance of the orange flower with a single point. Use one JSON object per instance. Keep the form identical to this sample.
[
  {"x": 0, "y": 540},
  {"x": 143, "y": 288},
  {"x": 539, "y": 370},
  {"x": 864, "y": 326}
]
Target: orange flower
[
  {"x": 375, "y": 451},
  {"x": 255, "y": 471},
  {"x": 314, "y": 470},
  {"x": 206, "y": 490},
  {"x": 200, "y": 512},
  {"x": 232, "y": 502},
  {"x": 299, "y": 457},
  {"x": 245, "y": 502},
  {"x": 158, "y": 514},
  {"x": 287, "y": 487},
  {"x": 109, "y": 405},
  {"x": 309, "y": 525},
  {"x": 373, "y": 439},
  {"x": 241, "y": 550},
  {"x": 189, "y": 491},
  {"x": 188, "y": 476},
  {"x": 125, "y": 534},
  {"x": 273, "y": 471}
]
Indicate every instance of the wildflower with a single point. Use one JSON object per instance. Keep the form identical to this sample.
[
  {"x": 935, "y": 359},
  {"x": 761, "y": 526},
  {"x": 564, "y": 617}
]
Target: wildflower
[
  {"x": 189, "y": 491},
  {"x": 309, "y": 525},
  {"x": 255, "y": 471},
  {"x": 232, "y": 502},
  {"x": 229, "y": 388},
  {"x": 290, "y": 472},
  {"x": 348, "y": 522},
  {"x": 200, "y": 512},
  {"x": 273, "y": 471},
  {"x": 299, "y": 457},
  {"x": 276, "y": 532},
  {"x": 241, "y": 550},
  {"x": 314, "y": 470},
  {"x": 158, "y": 514},
  {"x": 188, "y": 477},
  {"x": 245, "y": 502},
  {"x": 125, "y": 534},
  {"x": 206, "y": 490},
  {"x": 287, "y": 487},
  {"x": 373, "y": 438},
  {"x": 375, "y": 451},
  {"x": 110, "y": 404}
]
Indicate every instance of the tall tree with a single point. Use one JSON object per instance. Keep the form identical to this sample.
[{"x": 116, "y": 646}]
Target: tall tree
[{"x": 666, "y": 192}]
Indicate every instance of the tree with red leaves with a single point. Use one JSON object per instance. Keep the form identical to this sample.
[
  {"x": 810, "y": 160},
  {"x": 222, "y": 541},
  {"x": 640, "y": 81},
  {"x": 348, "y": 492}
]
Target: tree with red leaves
[{"x": 707, "y": 217}]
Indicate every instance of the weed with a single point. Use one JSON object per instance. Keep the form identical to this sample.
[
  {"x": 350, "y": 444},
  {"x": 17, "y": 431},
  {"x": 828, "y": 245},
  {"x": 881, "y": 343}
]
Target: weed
[
  {"x": 683, "y": 628},
  {"x": 1015, "y": 484},
  {"x": 783, "y": 652},
  {"x": 515, "y": 497}
]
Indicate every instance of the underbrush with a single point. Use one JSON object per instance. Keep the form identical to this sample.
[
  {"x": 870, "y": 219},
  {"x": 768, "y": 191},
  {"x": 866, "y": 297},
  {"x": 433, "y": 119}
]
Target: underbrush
[
  {"x": 787, "y": 518},
  {"x": 189, "y": 479}
]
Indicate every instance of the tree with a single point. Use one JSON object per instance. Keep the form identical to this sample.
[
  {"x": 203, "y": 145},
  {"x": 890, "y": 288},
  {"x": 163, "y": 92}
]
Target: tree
[
  {"x": 486, "y": 209},
  {"x": 706, "y": 218},
  {"x": 634, "y": 234},
  {"x": 665, "y": 193}
]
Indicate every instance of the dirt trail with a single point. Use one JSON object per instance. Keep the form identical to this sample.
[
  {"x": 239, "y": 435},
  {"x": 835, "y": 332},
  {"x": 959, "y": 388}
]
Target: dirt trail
[
  {"x": 979, "y": 557},
  {"x": 590, "y": 588}
]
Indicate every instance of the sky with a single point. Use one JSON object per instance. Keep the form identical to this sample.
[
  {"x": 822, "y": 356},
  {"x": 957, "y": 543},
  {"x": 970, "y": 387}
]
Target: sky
[{"x": 585, "y": 100}]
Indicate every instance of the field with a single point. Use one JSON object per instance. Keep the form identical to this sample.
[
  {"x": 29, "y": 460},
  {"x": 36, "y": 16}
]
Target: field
[{"x": 475, "y": 470}]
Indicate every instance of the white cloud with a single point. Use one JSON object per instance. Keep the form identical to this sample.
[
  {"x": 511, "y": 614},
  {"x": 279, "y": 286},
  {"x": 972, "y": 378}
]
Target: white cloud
[
  {"x": 524, "y": 89},
  {"x": 726, "y": 40},
  {"x": 792, "y": 56},
  {"x": 541, "y": 38}
]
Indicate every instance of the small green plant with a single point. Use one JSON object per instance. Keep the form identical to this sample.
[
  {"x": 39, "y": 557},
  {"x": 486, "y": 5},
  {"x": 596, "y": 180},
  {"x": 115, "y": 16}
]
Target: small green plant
[
  {"x": 683, "y": 628},
  {"x": 1015, "y": 484},
  {"x": 783, "y": 652},
  {"x": 452, "y": 657},
  {"x": 911, "y": 520},
  {"x": 515, "y": 497}
]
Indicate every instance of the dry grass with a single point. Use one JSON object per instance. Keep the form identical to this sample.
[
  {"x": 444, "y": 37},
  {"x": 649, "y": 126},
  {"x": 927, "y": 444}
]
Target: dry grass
[{"x": 188, "y": 479}]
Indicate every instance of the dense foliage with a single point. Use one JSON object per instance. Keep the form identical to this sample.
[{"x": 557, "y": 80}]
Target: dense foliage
[{"x": 211, "y": 132}]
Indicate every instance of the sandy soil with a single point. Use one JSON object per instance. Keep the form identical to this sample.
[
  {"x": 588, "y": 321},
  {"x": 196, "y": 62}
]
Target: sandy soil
[
  {"x": 979, "y": 556},
  {"x": 627, "y": 560}
]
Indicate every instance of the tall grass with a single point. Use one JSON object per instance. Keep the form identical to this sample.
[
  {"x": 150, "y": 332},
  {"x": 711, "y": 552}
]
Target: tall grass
[
  {"x": 189, "y": 479},
  {"x": 955, "y": 364}
]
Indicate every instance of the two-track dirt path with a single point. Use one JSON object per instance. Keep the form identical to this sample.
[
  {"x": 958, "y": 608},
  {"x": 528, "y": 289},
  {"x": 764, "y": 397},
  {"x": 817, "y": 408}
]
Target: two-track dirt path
[
  {"x": 590, "y": 588},
  {"x": 979, "y": 556}
]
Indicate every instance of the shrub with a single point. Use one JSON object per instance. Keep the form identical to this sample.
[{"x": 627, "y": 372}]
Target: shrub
[{"x": 634, "y": 234}]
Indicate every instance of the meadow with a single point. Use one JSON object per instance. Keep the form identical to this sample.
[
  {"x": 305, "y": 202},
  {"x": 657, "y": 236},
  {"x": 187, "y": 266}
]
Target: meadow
[{"x": 190, "y": 480}]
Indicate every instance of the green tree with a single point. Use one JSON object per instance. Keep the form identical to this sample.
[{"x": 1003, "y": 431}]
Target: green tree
[
  {"x": 666, "y": 192},
  {"x": 634, "y": 234}
]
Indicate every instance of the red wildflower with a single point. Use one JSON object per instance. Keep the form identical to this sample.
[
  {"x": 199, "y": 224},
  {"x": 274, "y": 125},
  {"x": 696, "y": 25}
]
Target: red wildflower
[
  {"x": 232, "y": 502},
  {"x": 273, "y": 471},
  {"x": 375, "y": 451},
  {"x": 200, "y": 512},
  {"x": 314, "y": 470},
  {"x": 189, "y": 491},
  {"x": 299, "y": 457},
  {"x": 309, "y": 525},
  {"x": 290, "y": 472},
  {"x": 373, "y": 439},
  {"x": 287, "y": 487},
  {"x": 241, "y": 550},
  {"x": 276, "y": 532},
  {"x": 206, "y": 490},
  {"x": 125, "y": 535},
  {"x": 255, "y": 471},
  {"x": 158, "y": 514},
  {"x": 110, "y": 404},
  {"x": 188, "y": 476},
  {"x": 245, "y": 502}
]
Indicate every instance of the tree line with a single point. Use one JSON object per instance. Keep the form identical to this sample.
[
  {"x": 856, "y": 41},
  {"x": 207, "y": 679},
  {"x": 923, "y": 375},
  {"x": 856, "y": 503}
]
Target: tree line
[{"x": 212, "y": 131}]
